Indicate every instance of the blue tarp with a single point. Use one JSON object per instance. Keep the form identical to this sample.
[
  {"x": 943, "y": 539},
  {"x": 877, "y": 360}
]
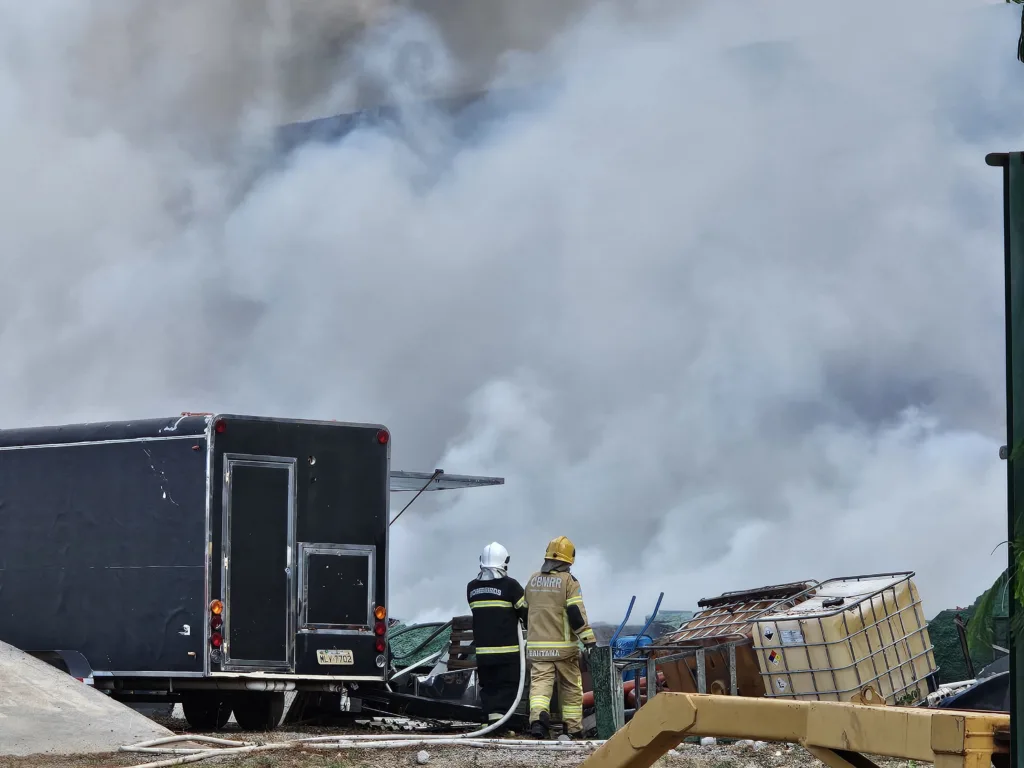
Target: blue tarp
[{"x": 625, "y": 645}]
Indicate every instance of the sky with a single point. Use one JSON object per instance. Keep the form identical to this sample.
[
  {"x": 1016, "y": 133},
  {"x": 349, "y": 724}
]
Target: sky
[{"x": 723, "y": 305}]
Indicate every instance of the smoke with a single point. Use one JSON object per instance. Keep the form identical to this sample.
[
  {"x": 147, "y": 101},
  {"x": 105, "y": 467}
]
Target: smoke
[{"x": 724, "y": 306}]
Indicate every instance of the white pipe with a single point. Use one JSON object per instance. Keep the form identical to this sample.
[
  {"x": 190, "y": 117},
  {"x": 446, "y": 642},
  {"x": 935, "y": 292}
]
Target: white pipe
[
  {"x": 428, "y": 659},
  {"x": 547, "y": 746},
  {"x": 493, "y": 726},
  {"x": 356, "y": 741},
  {"x": 958, "y": 684},
  {"x": 196, "y": 739},
  {"x": 461, "y": 741},
  {"x": 347, "y": 742}
]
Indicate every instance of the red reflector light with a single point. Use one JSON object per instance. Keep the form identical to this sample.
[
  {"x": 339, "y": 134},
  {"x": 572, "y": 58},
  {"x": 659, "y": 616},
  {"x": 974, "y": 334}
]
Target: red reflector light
[
  {"x": 215, "y": 622},
  {"x": 383, "y": 437},
  {"x": 380, "y": 645},
  {"x": 216, "y": 639},
  {"x": 379, "y": 629},
  {"x": 219, "y": 426}
]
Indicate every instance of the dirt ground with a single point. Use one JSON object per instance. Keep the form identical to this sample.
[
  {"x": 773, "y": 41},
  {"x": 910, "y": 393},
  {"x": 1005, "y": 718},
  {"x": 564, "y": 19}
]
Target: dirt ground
[
  {"x": 741, "y": 755},
  {"x": 441, "y": 757},
  {"x": 689, "y": 756}
]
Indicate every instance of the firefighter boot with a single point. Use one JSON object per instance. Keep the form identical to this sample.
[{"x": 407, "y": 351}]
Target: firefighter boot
[{"x": 539, "y": 728}]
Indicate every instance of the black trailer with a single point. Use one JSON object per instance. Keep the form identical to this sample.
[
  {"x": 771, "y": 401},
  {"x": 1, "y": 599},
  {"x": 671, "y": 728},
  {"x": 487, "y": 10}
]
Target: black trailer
[{"x": 216, "y": 560}]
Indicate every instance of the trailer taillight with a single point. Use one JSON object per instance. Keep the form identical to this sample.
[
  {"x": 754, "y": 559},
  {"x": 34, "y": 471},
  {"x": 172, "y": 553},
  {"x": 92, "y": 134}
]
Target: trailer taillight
[
  {"x": 215, "y": 622},
  {"x": 383, "y": 437},
  {"x": 216, "y": 607},
  {"x": 380, "y": 627},
  {"x": 219, "y": 426},
  {"x": 216, "y": 640}
]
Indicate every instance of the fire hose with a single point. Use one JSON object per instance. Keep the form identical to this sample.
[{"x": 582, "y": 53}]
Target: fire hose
[{"x": 227, "y": 747}]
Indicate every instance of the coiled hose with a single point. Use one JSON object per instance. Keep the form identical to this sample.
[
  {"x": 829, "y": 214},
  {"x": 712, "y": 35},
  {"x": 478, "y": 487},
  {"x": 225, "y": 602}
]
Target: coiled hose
[{"x": 225, "y": 747}]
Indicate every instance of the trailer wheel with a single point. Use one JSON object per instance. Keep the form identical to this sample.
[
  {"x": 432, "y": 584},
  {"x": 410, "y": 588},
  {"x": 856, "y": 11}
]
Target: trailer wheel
[
  {"x": 206, "y": 711},
  {"x": 258, "y": 711}
]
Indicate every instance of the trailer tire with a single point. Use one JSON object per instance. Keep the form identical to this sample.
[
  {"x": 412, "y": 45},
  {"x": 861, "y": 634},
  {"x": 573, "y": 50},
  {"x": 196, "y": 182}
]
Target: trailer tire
[
  {"x": 258, "y": 711},
  {"x": 206, "y": 711}
]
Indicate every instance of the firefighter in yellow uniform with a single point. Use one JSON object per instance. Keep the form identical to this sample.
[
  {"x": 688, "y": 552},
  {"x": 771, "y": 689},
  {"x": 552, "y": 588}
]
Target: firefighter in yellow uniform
[{"x": 557, "y": 622}]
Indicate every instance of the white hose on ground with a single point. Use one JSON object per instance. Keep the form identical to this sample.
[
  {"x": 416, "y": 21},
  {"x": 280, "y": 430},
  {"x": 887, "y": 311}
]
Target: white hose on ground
[
  {"x": 227, "y": 747},
  {"x": 244, "y": 748}
]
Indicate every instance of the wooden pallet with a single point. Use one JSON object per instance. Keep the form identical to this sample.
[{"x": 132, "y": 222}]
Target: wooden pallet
[
  {"x": 461, "y": 651},
  {"x": 461, "y": 655}
]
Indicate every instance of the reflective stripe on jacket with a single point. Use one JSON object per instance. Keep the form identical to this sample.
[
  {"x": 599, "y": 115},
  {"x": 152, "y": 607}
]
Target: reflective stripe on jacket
[
  {"x": 498, "y": 607},
  {"x": 558, "y": 618}
]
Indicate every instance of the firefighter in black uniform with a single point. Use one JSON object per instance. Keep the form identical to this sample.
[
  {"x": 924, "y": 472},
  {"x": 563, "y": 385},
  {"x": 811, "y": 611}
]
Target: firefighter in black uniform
[{"x": 498, "y": 607}]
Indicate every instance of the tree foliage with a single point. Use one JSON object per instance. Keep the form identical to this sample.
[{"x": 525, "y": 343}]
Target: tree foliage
[{"x": 980, "y": 628}]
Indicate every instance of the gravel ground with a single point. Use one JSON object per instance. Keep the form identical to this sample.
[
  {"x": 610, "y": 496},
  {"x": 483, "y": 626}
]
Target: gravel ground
[
  {"x": 740, "y": 755},
  {"x": 690, "y": 756}
]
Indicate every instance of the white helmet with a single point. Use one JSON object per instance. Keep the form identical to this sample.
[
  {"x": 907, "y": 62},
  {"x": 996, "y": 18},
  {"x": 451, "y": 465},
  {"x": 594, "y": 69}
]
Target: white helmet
[{"x": 494, "y": 556}]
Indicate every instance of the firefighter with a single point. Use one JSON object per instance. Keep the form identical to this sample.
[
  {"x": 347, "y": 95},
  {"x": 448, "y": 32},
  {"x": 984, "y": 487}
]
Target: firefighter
[
  {"x": 558, "y": 624},
  {"x": 498, "y": 606}
]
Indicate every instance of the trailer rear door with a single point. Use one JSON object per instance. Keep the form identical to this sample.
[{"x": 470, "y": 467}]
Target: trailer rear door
[{"x": 259, "y": 531}]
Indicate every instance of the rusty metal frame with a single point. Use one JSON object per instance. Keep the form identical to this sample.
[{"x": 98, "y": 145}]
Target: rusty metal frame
[{"x": 839, "y": 734}]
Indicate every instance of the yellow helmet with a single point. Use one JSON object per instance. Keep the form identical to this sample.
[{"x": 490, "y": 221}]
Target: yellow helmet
[{"x": 561, "y": 549}]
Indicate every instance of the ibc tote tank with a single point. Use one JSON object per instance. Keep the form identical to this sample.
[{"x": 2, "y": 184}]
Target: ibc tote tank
[
  {"x": 728, "y": 618},
  {"x": 855, "y": 633}
]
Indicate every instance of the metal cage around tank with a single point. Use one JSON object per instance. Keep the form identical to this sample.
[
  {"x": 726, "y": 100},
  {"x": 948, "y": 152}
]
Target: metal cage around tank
[{"x": 854, "y": 633}]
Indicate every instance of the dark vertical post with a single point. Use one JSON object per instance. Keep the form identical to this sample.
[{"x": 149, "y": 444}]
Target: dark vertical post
[
  {"x": 1013, "y": 265},
  {"x": 608, "y": 695}
]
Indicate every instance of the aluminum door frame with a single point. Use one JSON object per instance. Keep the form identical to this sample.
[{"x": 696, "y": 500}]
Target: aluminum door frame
[{"x": 290, "y": 464}]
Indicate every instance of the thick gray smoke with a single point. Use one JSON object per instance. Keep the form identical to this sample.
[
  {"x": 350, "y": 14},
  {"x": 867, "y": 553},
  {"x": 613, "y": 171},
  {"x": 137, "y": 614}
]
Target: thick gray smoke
[{"x": 724, "y": 306}]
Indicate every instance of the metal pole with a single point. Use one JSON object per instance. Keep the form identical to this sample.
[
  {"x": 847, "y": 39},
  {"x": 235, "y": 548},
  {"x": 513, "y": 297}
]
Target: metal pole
[
  {"x": 702, "y": 673},
  {"x": 733, "y": 689},
  {"x": 652, "y": 676},
  {"x": 426, "y": 485},
  {"x": 1013, "y": 266}
]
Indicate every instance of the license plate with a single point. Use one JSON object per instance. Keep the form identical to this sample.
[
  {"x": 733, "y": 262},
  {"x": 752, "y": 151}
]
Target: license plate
[{"x": 335, "y": 657}]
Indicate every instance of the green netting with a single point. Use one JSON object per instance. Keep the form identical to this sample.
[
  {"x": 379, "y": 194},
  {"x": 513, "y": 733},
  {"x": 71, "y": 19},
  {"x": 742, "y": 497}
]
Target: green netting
[{"x": 404, "y": 643}]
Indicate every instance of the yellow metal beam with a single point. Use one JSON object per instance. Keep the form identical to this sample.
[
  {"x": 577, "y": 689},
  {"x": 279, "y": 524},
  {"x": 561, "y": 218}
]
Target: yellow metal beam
[{"x": 838, "y": 733}]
